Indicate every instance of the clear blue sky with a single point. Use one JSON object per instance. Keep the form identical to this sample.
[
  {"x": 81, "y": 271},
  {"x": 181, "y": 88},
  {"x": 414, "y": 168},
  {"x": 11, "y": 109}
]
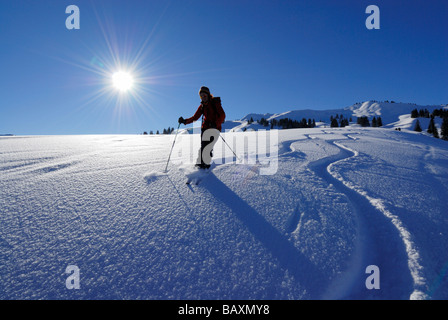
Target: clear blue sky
[{"x": 257, "y": 55}]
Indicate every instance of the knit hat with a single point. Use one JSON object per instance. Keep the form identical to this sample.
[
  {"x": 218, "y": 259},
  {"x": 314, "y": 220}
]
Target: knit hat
[{"x": 205, "y": 90}]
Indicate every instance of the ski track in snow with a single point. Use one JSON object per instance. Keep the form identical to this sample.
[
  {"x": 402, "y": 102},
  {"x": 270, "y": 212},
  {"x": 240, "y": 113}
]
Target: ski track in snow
[
  {"x": 415, "y": 267},
  {"x": 349, "y": 282},
  {"x": 344, "y": 286},
  {"x": 380, "y": 204}
]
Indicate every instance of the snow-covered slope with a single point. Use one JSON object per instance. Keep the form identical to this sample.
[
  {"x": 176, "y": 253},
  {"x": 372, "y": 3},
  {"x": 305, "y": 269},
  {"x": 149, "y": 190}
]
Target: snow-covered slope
[{"x": 338, "y": 201}]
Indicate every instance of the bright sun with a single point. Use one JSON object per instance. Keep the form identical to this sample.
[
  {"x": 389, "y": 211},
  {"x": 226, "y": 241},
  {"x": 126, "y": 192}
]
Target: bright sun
[{"x": 122, "y": 81}]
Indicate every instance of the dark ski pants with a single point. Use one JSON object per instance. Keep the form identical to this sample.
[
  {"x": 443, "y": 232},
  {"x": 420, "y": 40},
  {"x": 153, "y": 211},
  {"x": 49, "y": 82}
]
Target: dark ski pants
[{"x": 209, "y": 137}]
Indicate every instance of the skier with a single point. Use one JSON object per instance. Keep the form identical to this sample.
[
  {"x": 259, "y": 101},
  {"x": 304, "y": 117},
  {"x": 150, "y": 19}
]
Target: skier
[{"x": 213, "y": 116}]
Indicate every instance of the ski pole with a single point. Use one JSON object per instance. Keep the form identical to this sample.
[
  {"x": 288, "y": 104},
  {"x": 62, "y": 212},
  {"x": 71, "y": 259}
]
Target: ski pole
[
  {"x": 230, "y": 148},
  {"x": 172, "y": 148}
]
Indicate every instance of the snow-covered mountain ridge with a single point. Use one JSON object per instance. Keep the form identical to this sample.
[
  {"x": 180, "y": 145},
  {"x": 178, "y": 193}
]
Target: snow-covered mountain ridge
[{"x": 390, "y": 113}]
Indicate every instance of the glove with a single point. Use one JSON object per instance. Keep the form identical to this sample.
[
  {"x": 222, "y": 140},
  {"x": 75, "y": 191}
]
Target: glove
[{"x": 182, "y": 120}]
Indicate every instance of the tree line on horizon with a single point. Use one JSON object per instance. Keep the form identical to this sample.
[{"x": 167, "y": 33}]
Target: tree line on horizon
[
  {"x": 424, "y": 113},
  {"x": 165, "y": 131},
  {"x": 285, "y": 123}
]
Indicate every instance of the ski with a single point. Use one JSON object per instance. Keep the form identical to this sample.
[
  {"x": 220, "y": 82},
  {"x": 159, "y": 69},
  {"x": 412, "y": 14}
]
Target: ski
[
  {"x": 196, "y": 175},
  {"x": 193, "y": 181}
]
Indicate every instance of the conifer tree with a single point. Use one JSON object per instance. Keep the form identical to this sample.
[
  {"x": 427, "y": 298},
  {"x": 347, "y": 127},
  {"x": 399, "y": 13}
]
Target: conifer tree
[
  {"x": 363, "y": 121},
  {"x": 334, "y": 123},
  {"x": 431, "y": 126},
  {"x": 417, "y": 126},
  {"x": 445, "y": 128},
  {"x": 435, "y": 134}
]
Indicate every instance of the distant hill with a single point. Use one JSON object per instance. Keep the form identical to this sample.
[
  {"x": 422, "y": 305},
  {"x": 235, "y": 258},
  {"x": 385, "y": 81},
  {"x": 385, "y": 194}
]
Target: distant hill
[{"x": 391, "y": 113}]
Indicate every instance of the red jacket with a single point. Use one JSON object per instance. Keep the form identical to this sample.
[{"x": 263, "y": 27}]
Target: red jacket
[{"x": 213, "y": 112}]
